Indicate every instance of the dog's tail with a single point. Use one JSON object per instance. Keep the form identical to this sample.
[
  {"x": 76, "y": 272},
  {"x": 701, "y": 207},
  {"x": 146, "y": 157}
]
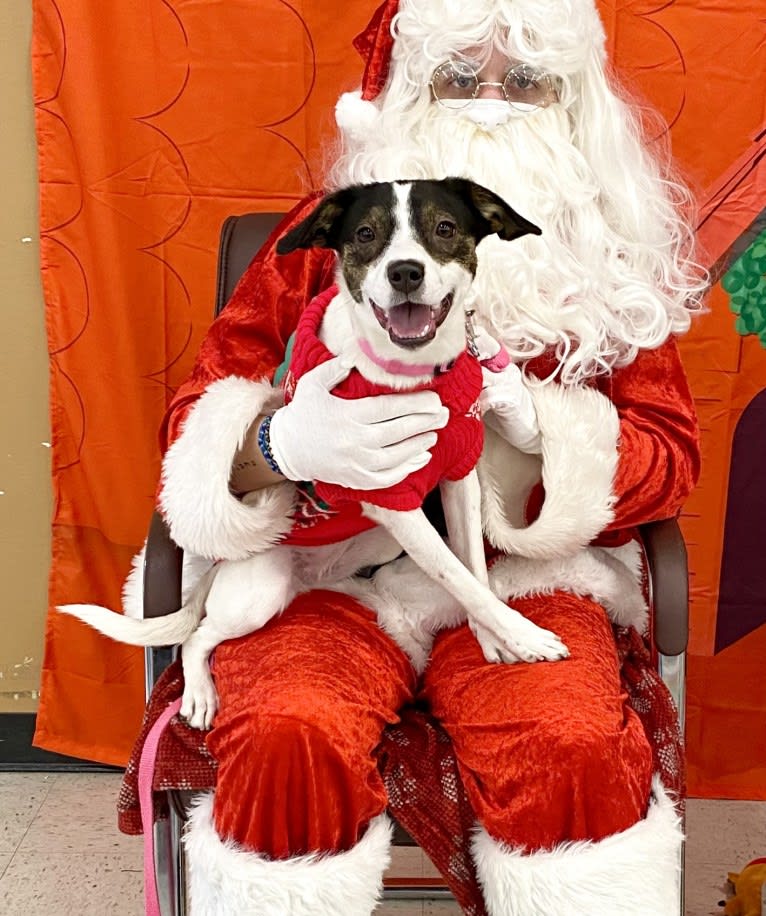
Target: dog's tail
[{"x": 154, "y": 631}]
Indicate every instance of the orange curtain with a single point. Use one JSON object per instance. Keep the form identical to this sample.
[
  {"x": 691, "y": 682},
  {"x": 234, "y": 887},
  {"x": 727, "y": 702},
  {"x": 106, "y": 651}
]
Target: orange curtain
[
  {"x": 704, "y": 68},
  {"x": 156, "y": 120}
]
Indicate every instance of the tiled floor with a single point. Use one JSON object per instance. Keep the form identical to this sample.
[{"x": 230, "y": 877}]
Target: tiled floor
[{"x": 61, "y": 854}]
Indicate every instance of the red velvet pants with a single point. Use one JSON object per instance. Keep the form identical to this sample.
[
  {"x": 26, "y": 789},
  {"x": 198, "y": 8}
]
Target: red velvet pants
[{"x": 548, "y": 752}]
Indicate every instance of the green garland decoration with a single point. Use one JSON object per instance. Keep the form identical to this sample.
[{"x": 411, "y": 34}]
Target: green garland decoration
[{"x": 745, "y": 282}]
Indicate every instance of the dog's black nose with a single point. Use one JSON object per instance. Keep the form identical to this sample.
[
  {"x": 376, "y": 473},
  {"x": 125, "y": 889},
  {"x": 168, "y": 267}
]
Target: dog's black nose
[{"x": 406, "y": 276}]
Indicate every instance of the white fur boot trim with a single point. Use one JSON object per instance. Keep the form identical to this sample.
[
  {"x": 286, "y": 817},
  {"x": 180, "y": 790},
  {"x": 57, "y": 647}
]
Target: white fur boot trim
[
  {"x": 204, "y": 516},
  {"x": 227, "y": 880},
  {"x": 633, "y": 873},
  {"x": 611, "y": 579},
  {"x": 579, "y": 433}
]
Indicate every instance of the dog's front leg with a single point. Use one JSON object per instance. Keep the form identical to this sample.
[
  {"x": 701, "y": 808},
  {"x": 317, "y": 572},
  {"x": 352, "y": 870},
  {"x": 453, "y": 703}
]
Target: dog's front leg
[
  {"x": 461, "y": 501},
  {"x": 504, "y": 634}
]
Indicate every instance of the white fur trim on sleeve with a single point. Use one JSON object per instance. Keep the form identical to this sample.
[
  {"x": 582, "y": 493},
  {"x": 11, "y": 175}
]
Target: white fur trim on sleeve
[
  {"x": 579, "y": 430},
  {"x": 203, "y": 515},
  {"x": 226, "y": 878},
  {"x": 633, "y": 873}
]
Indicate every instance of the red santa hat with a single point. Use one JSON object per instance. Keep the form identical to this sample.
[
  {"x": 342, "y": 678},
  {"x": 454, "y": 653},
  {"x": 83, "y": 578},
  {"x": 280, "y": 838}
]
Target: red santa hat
[{"x": 356, "y": 111}]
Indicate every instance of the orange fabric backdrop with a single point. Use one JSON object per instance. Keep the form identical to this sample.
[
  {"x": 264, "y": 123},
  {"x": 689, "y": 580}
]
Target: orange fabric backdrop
[{"x": 157, "y": 119}]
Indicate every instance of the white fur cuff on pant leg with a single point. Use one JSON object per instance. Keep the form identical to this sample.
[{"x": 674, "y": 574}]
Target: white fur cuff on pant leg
[
  {"x": 633, "y": 873},
  {"x": 227, "y": 880}
]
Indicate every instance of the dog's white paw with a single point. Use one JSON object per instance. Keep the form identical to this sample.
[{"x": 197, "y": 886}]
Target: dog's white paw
[
  {"x": 199, "y": 704},
  {"x": 518, "y": 640}
]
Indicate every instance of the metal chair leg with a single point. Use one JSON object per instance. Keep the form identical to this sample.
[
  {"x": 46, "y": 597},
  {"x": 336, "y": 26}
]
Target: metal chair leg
[
  {"x": 156, "y": 660},
  {"x": 424, "y": 892},
  {"x": 672, "y": 670},
  {"x": 180, "y": 863},
  {"x": 167, "y": 859}
]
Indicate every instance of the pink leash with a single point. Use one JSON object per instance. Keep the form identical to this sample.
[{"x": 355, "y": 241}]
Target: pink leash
[{"x": 145, "y": 779}]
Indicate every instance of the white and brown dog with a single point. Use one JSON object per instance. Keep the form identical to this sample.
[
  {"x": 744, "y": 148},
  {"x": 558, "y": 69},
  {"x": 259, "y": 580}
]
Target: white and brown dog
[{"x": 406, "y": 261}]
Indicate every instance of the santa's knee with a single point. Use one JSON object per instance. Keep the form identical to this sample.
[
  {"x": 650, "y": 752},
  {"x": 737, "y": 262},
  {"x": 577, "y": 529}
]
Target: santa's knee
[
  {"x": 293, "y": 780},
  {"x": 573, "y": 778}
]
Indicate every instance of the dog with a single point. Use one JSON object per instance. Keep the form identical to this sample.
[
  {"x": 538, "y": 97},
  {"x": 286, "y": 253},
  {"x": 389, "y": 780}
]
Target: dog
[{"x": 407, "y": 256}]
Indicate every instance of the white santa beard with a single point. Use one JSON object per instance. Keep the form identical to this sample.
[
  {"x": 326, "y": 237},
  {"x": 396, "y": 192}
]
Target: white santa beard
[{"x": 570, "y": 288}]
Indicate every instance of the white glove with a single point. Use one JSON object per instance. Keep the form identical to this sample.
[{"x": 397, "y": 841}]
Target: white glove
[
  {"x": 364, "y": 444},
  {"x": 507, "y": 407},
  {"x": 505, "y": 403}
]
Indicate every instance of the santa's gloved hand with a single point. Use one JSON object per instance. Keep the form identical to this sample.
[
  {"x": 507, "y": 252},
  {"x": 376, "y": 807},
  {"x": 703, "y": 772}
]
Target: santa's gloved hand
[
  {"x": 505, "y": 402},
  {"x": 506, "y": 405},
  {"x": 364, "y": 444}
]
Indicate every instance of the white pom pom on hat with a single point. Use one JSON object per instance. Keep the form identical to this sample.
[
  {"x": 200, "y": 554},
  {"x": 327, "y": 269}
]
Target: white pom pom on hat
[{"x": 355, "y": 116}]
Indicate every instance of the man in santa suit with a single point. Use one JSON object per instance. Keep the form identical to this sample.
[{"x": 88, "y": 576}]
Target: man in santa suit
[{"x": 589, "y": 432}]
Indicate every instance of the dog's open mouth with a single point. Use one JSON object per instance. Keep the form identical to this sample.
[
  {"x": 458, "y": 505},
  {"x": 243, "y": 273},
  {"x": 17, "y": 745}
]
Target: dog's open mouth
[{"x": 412, "y": 324}]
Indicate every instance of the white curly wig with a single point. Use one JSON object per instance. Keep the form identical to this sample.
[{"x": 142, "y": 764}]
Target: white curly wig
[{"x": 614, "y": 269}]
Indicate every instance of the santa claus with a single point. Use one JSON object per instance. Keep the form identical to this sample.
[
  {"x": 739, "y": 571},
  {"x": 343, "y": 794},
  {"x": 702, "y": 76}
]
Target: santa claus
[{"x": 590, "y": 431}]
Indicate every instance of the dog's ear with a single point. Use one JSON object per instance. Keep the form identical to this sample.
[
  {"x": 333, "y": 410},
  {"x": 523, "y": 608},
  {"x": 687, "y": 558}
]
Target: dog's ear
[
  {"x": 496, "y": 215},
  {"x": 319, "y": 229}
]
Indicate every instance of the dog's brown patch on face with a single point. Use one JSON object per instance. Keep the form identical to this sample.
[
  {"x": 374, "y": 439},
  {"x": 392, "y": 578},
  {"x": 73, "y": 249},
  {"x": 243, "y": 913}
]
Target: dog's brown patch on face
[
  {"x": 444, "y": 225},
  {"x": 367, "y": 229}
]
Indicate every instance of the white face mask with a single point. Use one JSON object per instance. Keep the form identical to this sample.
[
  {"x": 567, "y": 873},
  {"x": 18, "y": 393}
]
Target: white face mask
[{"x": 488, "y": 113}]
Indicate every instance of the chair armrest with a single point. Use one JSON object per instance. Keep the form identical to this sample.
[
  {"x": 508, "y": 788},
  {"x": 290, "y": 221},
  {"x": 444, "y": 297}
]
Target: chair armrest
[
  {"x": 241, "y": 239},
  {"x": 668, "y": 584},
  {"x": 163, "y": 565}
]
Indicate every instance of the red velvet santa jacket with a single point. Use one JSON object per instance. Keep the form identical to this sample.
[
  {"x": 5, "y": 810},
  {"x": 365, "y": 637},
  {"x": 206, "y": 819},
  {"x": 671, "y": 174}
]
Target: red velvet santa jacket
[
  {"x": 337, "y": 514},
  {"x": 617, "y": 454}
]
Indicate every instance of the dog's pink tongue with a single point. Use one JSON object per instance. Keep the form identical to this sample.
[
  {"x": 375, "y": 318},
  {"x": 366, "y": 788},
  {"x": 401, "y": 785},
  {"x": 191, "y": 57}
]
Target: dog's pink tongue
[{"x": 410, "y": 319}]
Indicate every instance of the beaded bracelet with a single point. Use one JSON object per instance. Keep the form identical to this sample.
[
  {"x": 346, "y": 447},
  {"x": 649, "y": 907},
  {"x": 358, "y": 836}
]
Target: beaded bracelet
[{"x": 264, "y": 444}]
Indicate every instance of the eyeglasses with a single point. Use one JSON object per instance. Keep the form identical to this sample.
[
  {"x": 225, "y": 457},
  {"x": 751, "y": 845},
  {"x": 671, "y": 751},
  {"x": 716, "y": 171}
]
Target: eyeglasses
[{"x": 524, "y": 86}]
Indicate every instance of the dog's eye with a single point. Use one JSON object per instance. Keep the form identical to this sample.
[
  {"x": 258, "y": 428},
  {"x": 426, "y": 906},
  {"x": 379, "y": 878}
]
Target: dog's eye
[
  {"x": 446, "y": 229},
  {"x": 365, "y": 234}
]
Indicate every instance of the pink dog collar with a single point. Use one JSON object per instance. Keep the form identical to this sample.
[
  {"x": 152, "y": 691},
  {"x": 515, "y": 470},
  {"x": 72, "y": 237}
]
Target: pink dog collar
[{"x": 397, "y": 367}]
